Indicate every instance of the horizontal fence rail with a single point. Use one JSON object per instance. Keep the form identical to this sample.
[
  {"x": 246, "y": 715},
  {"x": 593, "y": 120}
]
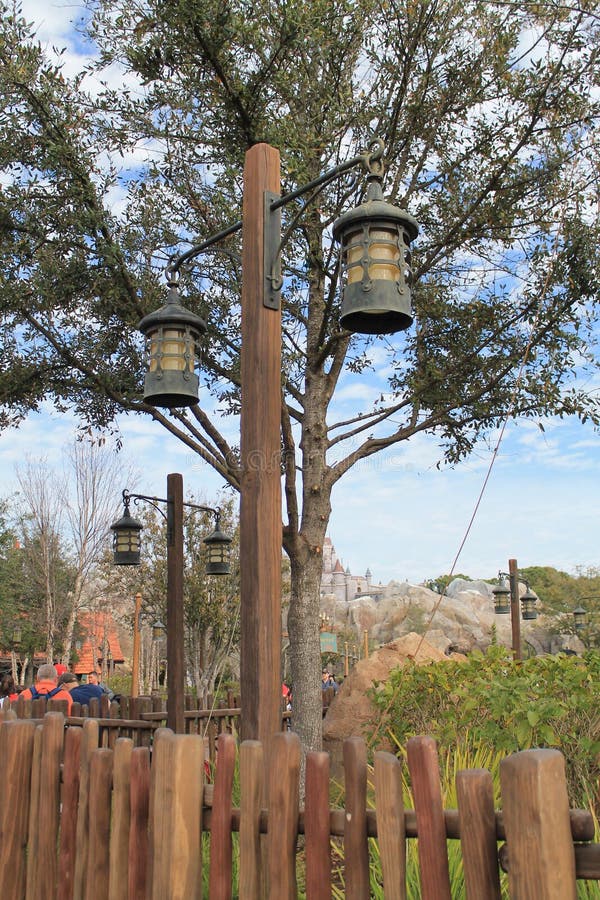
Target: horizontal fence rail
[{"x": 81, "y": 821}]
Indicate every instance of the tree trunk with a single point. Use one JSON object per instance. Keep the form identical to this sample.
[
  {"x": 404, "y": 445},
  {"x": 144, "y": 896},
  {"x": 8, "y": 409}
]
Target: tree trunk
[{"x": 304, "y": 649}]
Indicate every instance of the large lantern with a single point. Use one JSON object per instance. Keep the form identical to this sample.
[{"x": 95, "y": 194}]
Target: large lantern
[
  {"x": 376, "y": 265},
  {"x": 126, "y": 538},
  {"x": 172, "y": 333},
  {"x": 579, "y": 614},
  {"x": 501, "y": 598},
  {"x": 217, "y": 546},
  {"x": 528, "y": 600}
]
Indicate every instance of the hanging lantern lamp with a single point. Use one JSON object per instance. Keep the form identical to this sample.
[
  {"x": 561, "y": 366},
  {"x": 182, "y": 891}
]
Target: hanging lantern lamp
[
  {"x": 158, "y": 631},
  {"x": 528, "y": 601},
  {"x": 501, "y": 598},
  {"x": 579, "y": 614},
  {"x": 375, "y": 240},
  {"x": 218, "y": 549},
  {"x": 126, "y": 538},
  {"x": 172, "y": 334}
]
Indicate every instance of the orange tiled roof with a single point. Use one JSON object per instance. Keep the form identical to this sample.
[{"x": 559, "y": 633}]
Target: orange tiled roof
[{"x": 98, "y": 635}]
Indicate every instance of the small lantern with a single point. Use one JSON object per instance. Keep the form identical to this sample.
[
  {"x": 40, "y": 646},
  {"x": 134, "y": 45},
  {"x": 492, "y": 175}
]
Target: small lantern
[
  {"x": 375, "y": 239},
  {"x": 171, "y": 333},
  {"x": 218, "y": 549},
  {"x": 126, "y": 538},
  {"x": 579, "y": 614},
  {"x": 501, "y": 598},
  {"x": 158, "y": 631},
  {"x": 528, "y": 610},
  {"x": 17, "y": 636}
]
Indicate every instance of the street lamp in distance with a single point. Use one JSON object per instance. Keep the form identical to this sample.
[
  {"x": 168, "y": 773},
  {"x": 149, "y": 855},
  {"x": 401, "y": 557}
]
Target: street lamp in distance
[
  {"x": 506, "y": 600},
  {"x": 127, "y": 551}
]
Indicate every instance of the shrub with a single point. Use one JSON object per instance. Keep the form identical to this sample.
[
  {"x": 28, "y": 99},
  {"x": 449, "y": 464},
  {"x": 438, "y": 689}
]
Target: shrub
[{"x": 549, "y": 701}]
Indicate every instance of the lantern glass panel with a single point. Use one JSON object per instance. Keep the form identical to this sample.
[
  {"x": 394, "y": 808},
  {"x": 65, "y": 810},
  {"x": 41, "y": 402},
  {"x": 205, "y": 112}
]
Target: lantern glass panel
[
  {"x": 127, "y": 540},
  {"x": 170, "y": 350}
]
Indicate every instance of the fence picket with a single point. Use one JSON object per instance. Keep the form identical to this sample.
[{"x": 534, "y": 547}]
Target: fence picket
[
  {"x": 427, "y": 794},
  {"x": 219, "y": 882},
  {"x": 356, "y": 848},
  {"x": 89, "y": 743},
  {"x": 283, "y": 780},
  {"x": 389, "y": 806},
  {"x": 316, "y": 827},
  {"x": 17, "y": 739},
  {"x": 176, "y": 828},
  {"x": 48, "y": 823},
  {"x": 251, "y": 791},
  {"x": 98, "y": 867},
  {"x": 68, "y": 815},
  {"x": 477, "y": 819},
  {"x": 138, "y": 856},
  {"x": 34, "y": 805},
  {"x": 121, "y": 816},
  {"x": 536, "y": 819}
]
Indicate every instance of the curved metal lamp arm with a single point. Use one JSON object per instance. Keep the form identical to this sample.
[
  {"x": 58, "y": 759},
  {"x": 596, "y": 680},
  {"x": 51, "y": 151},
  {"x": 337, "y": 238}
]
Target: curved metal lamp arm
[
  {"x": 525, "y": 581},
  {"x": 372, "y": 161},
  {"x": 154, "y": 501}
]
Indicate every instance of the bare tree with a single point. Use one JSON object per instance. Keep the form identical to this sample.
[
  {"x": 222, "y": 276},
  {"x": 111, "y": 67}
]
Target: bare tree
[
  {"x": 65, "y": 519},
  {"x": 42, "y": 517},
  {"x": 89, "y": 510}
]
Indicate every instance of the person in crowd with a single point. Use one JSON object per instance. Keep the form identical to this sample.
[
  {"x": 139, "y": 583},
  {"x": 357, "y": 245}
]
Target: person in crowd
[
  {"x": 92, "y": 678},
  {"x": 46, "y": 685},
  {"x": 8, "y": 691},
  {"x": 328, "y": 681},
  {"x": 80, "y": 693}
]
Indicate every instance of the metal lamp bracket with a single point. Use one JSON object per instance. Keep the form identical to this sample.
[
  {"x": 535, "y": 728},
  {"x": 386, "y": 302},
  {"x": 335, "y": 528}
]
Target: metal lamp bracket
[{"x": 272, "y": 252}]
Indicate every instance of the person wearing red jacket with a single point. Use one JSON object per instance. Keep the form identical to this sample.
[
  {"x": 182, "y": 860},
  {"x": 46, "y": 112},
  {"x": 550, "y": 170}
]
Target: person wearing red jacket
[{"x": 47, "y": 685}]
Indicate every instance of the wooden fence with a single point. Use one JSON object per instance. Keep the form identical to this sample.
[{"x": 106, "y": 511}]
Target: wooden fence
[
  {"x": 87, "y": 822},
  {"x": 138, "y": 717}
]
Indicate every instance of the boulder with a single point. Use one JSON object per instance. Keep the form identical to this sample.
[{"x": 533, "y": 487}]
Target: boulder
[{"x": 352, "y": 712}]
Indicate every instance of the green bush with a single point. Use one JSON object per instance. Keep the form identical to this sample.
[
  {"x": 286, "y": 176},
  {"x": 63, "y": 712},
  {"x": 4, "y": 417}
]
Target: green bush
[{"x": 489, "y": 699}]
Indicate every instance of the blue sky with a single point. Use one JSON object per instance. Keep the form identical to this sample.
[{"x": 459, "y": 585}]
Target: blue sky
[{"x": 395, "y": 513}]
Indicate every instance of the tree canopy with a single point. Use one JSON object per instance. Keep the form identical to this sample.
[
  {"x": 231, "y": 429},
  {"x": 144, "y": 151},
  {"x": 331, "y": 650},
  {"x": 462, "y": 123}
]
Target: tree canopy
[{"x": 488, "y": 112}]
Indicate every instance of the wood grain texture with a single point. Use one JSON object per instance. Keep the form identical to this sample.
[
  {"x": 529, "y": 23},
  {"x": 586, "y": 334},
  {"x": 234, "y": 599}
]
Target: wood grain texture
[
  {"x": 118, "y": 880},
  {"x": 53, "y": 730},
  {"x": 284, "y": 780},
  {"x": 537, "y": 823},
  {"x": 98, "y": 868},
  {"x": 260, "y": 449},
  {"x": 89, "y": 743},
  {"x": 316, "y": 827},
  {"x": 477, "y": 819},
  {"x": 177, "y": 777},
  {"x": 356, "y": 849},
  {"x": 427, "y": 794},
  {"x": 389, "y": 807},
  {"x": 17, "y": 739},
  {"x": 219, "y": 882},
  {"x": 68, "y": 814},
  {"x": 138, "y": 826},
  {"x": 251, "y": 793}
]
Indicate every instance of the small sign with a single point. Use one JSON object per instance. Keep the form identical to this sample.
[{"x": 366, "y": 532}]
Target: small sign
[{"x": 328, "y": 642}]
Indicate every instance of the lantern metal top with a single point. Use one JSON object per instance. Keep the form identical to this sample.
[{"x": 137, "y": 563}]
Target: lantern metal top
[
  {"x": 126, "y": 523},
  {"x": 173, "y": 313},
  {"x": 374, "y": 207}
]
